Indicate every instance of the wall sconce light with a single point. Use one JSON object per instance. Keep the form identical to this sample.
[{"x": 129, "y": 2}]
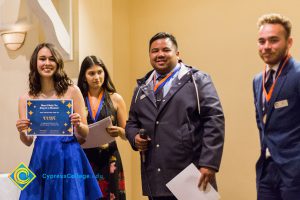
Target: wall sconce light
[{"x": 13, "y": 40}]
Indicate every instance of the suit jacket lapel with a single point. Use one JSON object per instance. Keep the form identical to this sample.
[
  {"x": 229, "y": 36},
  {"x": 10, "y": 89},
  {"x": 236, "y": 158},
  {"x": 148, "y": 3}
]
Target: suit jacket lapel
[{"x": 278, "y": 86}]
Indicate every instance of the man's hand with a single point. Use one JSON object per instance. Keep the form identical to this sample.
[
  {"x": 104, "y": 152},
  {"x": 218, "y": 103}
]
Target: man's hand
[
  {"x": 140, "y": 143},
  {"x": 207, "y": 175}
]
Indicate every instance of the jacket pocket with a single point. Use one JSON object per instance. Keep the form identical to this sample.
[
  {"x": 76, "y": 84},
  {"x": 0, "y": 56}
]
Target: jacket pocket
[{"x": 186, "y": 138}]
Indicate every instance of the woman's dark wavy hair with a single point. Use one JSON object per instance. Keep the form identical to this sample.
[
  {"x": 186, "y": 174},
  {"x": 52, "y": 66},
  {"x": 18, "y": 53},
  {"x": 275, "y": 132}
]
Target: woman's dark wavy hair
[
  {"x": 60, "y": 78},
  {"x": 88, "y": 62}
]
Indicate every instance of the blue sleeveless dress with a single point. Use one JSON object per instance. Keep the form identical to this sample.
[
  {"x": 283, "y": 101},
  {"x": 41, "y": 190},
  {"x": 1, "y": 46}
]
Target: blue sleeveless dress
[{"x": 62, "y": 171}]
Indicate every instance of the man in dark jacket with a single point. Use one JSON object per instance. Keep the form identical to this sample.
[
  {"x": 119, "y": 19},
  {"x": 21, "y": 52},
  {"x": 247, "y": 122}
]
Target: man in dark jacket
[{"x": 181, "y": 116}]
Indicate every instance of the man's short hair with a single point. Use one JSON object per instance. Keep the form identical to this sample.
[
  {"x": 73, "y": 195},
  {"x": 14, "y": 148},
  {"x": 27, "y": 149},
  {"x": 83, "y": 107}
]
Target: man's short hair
[
  {"x": 163, "y": 35},
  {"x": 274, "y": 18}
]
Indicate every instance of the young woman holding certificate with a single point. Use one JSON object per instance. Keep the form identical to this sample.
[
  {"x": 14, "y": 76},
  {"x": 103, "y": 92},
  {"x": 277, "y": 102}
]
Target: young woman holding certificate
[
  {"x": 59, "y": 163},
  {"x": 102, "y": 101}
]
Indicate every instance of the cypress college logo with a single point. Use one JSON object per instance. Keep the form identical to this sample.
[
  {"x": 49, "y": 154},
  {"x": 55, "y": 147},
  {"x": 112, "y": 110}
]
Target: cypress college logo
[{"x": 22, "y": 176}]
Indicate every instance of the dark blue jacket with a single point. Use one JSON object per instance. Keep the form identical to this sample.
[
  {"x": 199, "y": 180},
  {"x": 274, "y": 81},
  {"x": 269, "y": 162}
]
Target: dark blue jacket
[
  {"x": 281, "y": 132},
  {"x": 188, "y": 127}
]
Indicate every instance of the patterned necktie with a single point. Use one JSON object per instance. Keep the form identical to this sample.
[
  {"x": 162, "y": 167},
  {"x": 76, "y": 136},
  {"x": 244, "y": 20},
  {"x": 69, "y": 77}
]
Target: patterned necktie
[
  {"x": 268, "y": 85},
  {"x": 159, "y": 95},
  {"x": 269, "y": 82}
]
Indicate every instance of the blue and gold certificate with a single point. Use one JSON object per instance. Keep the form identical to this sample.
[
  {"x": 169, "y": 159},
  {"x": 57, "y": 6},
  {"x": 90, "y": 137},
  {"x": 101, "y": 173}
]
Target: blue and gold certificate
[{"x": 49, "y": 117}]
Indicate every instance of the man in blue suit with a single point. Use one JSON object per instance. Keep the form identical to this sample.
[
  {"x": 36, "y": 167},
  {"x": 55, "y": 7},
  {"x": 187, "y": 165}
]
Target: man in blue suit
[{"x": 277, "y": 103}]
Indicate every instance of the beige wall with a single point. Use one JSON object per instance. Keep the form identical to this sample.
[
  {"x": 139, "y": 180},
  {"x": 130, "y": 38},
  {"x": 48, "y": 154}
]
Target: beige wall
[
  {"x": 121, "y": 77},
  {"x": 13, "y": 82},
  {"x": 95, "y": 30},
  {"x": 218, "y": 37}
]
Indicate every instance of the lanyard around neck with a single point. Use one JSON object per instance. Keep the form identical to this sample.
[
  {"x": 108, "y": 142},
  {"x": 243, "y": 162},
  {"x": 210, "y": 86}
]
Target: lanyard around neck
[
  {"x": 158, "y": 86},
  {"x": 268, "y": 95},
  {"x": 92, "y": 108}
]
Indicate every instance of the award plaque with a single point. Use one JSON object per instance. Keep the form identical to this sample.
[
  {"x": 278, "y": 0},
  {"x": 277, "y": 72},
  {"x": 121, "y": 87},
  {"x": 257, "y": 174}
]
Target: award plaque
[{"x": 49, "y": 117}]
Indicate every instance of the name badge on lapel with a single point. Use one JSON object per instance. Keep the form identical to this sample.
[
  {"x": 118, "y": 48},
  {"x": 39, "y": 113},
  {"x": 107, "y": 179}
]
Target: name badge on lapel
[{"x": 281, "y": 104}]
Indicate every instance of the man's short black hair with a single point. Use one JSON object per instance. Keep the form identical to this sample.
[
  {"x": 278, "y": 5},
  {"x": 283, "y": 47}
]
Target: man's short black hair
[{"x": 163, "y": 35}]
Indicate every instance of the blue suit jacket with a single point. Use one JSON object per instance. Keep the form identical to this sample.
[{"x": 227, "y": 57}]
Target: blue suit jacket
[{"x": 281, "y": 132}]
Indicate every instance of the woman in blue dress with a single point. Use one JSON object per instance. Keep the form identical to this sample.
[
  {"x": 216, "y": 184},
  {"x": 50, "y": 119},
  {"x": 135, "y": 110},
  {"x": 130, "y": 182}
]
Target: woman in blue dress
[
  {"x": 102, "y": 101},
  {"x": 59, "y": 157}
]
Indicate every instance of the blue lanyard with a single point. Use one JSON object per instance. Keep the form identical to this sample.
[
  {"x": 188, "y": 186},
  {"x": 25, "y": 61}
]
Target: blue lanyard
[
  {"x": 162, "y": 84},
  {"x": 99, "y": 108}
]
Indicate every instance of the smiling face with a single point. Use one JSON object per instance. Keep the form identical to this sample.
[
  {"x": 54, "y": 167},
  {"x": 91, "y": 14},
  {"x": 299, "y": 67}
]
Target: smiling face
[
  {"x": 95, "y": 77},
  {"x": 46, "y": 64},
  {"x": 273, "y": 44},
  {"x": 163, "y": 55}
]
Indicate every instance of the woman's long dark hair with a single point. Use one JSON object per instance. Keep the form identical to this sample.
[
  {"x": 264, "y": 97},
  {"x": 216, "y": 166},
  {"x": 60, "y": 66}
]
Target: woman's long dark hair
[
  {"x": 88, "y": 62},
  {"x": 60, "y": 78}
]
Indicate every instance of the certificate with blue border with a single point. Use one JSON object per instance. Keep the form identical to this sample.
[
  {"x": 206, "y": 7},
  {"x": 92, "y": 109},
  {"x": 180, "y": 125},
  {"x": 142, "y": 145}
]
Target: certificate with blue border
[{"x": 49, "y": 117}]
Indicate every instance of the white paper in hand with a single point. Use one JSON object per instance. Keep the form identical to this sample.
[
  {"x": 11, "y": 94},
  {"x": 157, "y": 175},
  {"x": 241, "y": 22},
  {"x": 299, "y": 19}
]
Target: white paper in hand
[
  {"x": 97, "y": 134},
  {"x": 184, "y": 186}
]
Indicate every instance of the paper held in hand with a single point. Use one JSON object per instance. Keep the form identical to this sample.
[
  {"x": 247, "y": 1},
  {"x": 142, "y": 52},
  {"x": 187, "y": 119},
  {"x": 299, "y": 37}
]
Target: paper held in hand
[
  {"x": 190, "y": 177},
  {"x": 97, "y": 134}
]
